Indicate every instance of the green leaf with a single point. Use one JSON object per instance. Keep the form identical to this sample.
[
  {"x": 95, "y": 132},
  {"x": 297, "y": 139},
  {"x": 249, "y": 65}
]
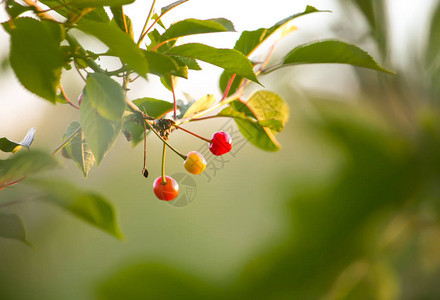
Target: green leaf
[
  {"x": 228, "y": 59},
  {"x": 190, "y": 63},
  {"x": 263, "y": 109},
  {"x": 99, "y": 3},
  {"x": 38, "y": 70},
  {"x": 154, "y": 107},
  {"x": 268, "y": 106},
  {"x": 332, "y": 51},
  {"x": 105, "y": 96},
  {"x": 12, "y": 227},
  {"x": 14, "y": 9},
  {"x": 224, "y": 81},
  {"x": 88, "y": 206},
  {"x": 100, "y": 132},
  {"x": 250, "y": 40},
  {"x": 165, "y": 9},
  {"x": 118, "y": 17},
  {"x": 25, "y": 163},
  {"x": 275, "y": 125},
  {"x": 201, "y": 104},
  {"x": 163, "y": 65},
  {"x": 119, "y": 43},
  {"x": 97, "y": 14},
  {"x": 256, "y": 134},
  {"x": 9, "y": 146},
  {"x": 195, "y": 26},
  {"x": 159, "y": 21},
  {"x": 78, "y": 149}
]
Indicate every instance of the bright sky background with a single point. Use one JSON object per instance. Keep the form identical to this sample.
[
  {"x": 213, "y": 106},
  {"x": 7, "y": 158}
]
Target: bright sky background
[{"x": 21, "y": 110}]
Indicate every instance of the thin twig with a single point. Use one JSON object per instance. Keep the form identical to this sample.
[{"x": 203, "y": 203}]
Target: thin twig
[
  {"x": 67, "y": 99},
  {"x": 194, "y": 134},
  {"x": 174, "y": 99},
  {"x": 165, "y": 142},
  {"x": 64, "y": 143},
  {"x": 81, "y": 75},
  {"x": 141, "y": 37},
  {"x": 155, "y": 21}
]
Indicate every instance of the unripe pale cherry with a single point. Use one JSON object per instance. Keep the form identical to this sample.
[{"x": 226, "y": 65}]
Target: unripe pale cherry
[
  {"x": 167, "y": 191},
  {"x": 80, "y": 98},
  {"x": 221, "y": 143},
  {"x": 195, "y": 163}
]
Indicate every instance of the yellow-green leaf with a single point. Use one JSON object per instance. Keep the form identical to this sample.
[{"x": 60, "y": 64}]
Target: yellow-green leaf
[{"x": 201, "y": 104}]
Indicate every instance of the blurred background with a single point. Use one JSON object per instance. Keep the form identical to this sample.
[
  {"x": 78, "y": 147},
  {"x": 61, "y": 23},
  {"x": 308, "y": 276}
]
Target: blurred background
[{"x": 347, "y": 209}]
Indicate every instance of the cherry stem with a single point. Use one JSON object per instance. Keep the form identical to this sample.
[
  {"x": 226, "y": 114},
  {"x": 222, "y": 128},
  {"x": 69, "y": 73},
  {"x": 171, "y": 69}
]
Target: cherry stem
[
  {"x": 174, "y": 99},
  {"x": 67, "y": 98},
  {"x": 145, "y": 147},
  {"x": 194, "y": 134},
  {"x": 163, "y": 163},
  {"x": 228, "y": 87},
  {"x": 165, "y": 142}
]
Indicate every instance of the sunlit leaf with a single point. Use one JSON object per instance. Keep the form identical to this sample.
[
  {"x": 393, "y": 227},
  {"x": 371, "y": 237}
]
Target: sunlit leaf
[
  {"x": 250, "y": 40},
  {"x": 88, "y": 206},
  {"x": 228, "y": 59},
  {"x": 98, "y": 3},
  {"x": 256, "y": 134},
  {"x": 332, "y": 51},
  {"x": 67, "y": 11},
  {"x": 171, "y": 6},
  {"x": 268, "y": 106},
  {"x": 195, "y": 26},
  {"x": 12, "y": 227},
  {"x": 275, "y": 125},
  {"x": 201, "y": 104}
]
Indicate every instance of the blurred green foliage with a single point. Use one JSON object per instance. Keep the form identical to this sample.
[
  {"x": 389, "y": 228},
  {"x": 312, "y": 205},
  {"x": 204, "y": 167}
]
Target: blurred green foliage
[{"x": 368, "y": 229}]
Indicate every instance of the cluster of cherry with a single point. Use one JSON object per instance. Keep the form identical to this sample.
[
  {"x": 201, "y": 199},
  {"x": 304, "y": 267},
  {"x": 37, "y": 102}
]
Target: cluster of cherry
[{"x": 166, "y": 188}]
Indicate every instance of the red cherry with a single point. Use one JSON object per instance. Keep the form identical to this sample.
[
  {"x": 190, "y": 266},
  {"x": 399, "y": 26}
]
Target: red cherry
[
  {"x": 221, "y": 143},
  {"x": 167, "y": 191}
]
